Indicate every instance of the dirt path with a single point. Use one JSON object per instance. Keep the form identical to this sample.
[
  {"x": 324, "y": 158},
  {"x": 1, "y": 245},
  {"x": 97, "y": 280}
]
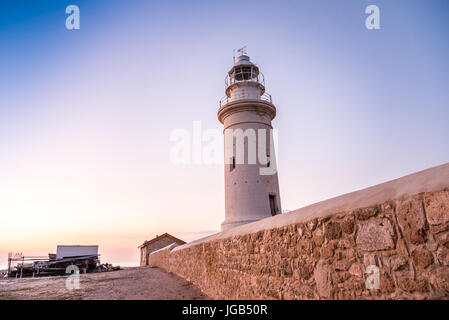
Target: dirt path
[{"x": 130, "y": 283}]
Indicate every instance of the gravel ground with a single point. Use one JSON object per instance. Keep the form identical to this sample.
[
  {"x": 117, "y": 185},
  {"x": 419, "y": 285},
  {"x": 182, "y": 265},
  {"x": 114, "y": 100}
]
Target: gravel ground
[{"x": 141, "y": 283}]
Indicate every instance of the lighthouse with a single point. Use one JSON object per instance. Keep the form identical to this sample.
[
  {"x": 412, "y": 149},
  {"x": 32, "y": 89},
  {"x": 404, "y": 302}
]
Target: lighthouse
[{"x": 251, "y": 178}]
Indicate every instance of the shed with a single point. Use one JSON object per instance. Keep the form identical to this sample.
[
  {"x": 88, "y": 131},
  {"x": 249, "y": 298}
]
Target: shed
[{"x": 156, "y": 243}]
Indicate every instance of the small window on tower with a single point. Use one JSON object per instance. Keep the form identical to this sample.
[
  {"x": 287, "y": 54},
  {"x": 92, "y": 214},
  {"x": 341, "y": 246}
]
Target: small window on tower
[
  {"x": 268, "y": 160},
  {"x": 232, "y": 163},
  {"x": 272, "y": 198}
]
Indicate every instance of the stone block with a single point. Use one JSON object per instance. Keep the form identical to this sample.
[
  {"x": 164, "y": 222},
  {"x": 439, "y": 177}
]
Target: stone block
[
  {"x": 326, "y": 252},
  {"x": 356, "y": 270},
  {"x": 376, "y": 235},
  {"x": 366, "y": 213},
  {"x": 318, "y": 237},
  {"x": 411, "y": 285},
  {"x": 332, "y": 230},
  {"x": 443, "y": 256},
  {"x": 312, "y": 224},
  {"x": 323, "y": 281},
  {"x": 341, "y": 265},
  {"x": 386, "y": 284},
  {"x": 411, "y": 219},
  {"x": 398, "y": 263},
  {"x": 370, "y": 259},
  {"x": 347, "y": 225},
  {"x": 340, "y": 277},
  {"x": 439, "y": 279},
  {"x": 422, "y": 257},
  {"x": 437, "y": 207}
]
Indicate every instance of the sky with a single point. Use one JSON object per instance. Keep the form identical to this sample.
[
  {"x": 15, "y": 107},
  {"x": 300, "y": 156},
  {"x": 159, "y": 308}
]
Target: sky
[{"x": 86, "y": 115}]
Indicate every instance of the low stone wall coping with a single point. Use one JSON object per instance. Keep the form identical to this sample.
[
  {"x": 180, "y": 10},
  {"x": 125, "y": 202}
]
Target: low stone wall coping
[{"x": 169, "y": 247}]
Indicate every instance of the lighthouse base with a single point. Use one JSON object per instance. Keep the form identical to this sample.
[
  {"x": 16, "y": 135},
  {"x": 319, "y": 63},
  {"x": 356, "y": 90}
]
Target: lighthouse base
[{"x": 226, "y": 225}]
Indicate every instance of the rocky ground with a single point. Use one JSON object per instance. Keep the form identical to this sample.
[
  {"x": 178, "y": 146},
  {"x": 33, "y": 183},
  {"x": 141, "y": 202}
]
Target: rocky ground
[{"x": 142, "y": 283}]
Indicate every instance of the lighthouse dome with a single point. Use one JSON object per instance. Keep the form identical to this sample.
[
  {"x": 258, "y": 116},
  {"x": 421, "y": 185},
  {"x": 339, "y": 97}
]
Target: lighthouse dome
[{"x": 243, "y": 59}]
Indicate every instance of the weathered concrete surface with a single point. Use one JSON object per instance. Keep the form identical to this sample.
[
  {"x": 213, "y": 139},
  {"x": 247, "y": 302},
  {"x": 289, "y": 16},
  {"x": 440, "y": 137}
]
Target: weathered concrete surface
[
  {"x": 327, "y": 255},
  {"x": 142, "y": 283}
]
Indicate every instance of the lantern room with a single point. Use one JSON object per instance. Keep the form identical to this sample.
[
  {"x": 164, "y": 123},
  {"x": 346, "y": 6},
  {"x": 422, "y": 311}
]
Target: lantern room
[{"x": 244, "y": 81}]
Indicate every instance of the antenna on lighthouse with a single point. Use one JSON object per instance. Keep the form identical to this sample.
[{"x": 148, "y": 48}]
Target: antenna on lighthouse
[{"x": 240, "y": 52}]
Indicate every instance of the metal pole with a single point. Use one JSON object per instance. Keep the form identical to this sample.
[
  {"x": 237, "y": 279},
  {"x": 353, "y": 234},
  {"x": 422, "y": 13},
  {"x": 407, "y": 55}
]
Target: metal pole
[
  {"x": 9, "y": 265},
  {"x": 21, "y": 269}
]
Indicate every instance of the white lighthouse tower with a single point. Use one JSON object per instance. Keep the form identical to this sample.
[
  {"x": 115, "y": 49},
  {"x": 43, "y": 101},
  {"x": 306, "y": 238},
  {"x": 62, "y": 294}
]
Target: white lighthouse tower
[{"x": 251, "y": 179}]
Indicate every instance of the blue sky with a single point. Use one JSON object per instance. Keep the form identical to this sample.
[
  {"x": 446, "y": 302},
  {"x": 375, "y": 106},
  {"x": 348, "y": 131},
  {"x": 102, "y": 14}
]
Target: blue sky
[{"x": 86, "y": 115}]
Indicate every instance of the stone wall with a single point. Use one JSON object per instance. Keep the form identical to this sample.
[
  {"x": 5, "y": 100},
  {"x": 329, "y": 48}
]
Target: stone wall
[
  {"x": 161, "y": 257},
  {"x": 405, "y": 239},
  {"x": 149, "y": 248}
]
